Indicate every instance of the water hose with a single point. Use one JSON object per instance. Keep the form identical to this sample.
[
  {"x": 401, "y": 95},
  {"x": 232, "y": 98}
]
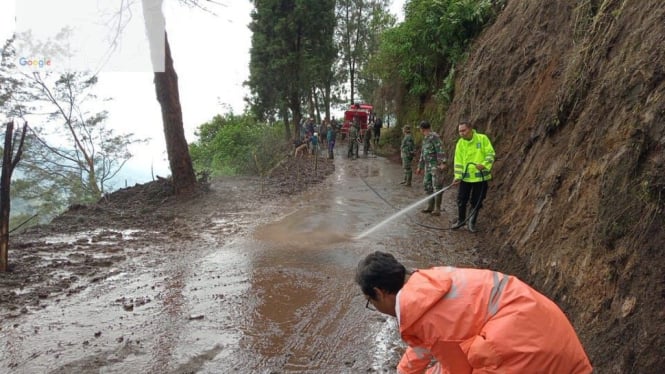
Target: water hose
[{"x": 473, "y": 211}]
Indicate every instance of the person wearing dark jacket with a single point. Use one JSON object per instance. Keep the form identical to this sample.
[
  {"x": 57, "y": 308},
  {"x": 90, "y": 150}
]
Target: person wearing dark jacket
[{"x": 378, "y": 125}]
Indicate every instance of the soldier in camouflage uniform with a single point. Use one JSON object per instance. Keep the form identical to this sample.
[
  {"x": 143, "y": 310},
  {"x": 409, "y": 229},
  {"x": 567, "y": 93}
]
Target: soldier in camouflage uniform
[
  {"x": 408, "y": 150},
  {"x": 354, "y": 133},
  {"x": 433, "y": 163},
  {"x": 367, "y": 139}
]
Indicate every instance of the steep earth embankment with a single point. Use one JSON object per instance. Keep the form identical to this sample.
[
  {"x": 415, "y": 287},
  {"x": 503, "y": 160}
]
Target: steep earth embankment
[{"x": 573, "y": 95}]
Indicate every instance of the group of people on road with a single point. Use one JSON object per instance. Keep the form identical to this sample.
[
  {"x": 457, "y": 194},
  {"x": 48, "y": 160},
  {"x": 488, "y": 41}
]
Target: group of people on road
[
  {"x": 473, "y": 161},
  {"x": 466, "y": 321},
  {"x": 313, "y": 137},
  {"x": 370, "y": 138}
]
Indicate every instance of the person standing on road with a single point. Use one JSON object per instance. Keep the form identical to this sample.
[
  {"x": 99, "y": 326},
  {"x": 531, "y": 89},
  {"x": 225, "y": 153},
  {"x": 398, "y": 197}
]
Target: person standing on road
[
  {"x": 309, "y": 127},
  {"x": 367, "y": 140},
  {"x": 408, "y": 150},
  {"x": 354, "y": 141},
  {"x": 323, "y": 132},
  {"x": 378, "y": 125},
  {"x": 474, "y": 157},
  {"x": 331, "y": 136},
  {"x": 470, "y": 320},
  {"x": 315, "y": 144},
  {"x": 433, "y": 163}
]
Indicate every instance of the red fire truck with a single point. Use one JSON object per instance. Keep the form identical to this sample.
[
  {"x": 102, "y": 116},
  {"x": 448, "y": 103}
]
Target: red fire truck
[{"x": 364, "y": 113}]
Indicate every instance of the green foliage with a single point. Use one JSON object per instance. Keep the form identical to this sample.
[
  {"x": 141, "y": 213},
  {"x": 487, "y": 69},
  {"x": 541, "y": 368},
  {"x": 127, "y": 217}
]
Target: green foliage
[
  {"x": 231, "y": 144},
  {"x": 292, "y": 54},
  {"x": 435, "y": 35},
  {"x": 70, "y": 155},
  {"x": 359, "y": 26},
  {"x": 391, "y": 139},
  {"x": 446, "y": 93},
  {"x": 79, "y": 152}
]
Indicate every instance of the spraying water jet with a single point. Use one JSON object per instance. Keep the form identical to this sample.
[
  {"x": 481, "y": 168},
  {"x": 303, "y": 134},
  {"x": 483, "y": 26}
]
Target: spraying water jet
[{"x": 401, "y": 212}]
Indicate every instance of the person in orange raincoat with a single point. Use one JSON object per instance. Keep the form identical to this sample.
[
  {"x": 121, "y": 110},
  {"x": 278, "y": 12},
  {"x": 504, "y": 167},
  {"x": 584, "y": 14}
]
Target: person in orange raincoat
[{"x": 460, "y": 321}]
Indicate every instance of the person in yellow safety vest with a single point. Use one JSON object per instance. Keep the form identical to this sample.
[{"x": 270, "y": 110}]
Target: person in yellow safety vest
[
  {"x": 470, "y": 321},
  {"x": 474, "y": 157}
]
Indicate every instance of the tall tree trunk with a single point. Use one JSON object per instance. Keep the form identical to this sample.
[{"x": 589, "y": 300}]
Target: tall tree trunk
[
  {"x": 285, "y": 118},
  {"x": 8, "y": 165},
  {"x": 317, "y": 110},
  {"x": 326, "y": 99},
  {"x": 352, "y": 74},
  {"x": 294, "y": 105},
  {"x": 168, "y": 96},
  {"x": 5, "y": 180}
]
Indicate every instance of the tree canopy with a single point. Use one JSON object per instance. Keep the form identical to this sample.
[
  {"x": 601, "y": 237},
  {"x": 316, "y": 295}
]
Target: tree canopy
[{"x": 422, "y": 51}]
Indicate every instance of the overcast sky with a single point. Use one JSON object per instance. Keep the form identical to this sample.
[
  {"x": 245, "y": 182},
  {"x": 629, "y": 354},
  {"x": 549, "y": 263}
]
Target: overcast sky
[{"x": 211, "y": 57}]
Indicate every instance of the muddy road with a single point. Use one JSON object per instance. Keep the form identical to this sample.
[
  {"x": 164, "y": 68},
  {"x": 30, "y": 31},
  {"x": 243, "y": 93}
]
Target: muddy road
[{"x": 266, "y": 287}]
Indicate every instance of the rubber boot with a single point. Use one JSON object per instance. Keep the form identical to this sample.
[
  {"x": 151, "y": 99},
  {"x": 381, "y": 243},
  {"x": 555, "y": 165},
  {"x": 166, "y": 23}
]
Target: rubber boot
[
  {"x": 471, "y": 225},
  {"x": 437, "y": 205},
  {"x": 409, "y": 175},
  {"x": 461, "y": 217},
  {"x": 430, "y": 206}
]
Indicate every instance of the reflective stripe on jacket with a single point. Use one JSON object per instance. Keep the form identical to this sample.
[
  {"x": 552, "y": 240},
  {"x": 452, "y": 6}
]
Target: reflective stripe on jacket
[
  {"x": 478, "y": 150},
  {"x": 483, "y": 321}
]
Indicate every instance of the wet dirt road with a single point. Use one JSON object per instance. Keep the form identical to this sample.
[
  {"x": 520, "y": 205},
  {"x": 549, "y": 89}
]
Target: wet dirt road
[{"x": 278, "y": 299}]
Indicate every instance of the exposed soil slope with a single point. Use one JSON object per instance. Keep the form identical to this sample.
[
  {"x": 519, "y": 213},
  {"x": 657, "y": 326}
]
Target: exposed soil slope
[{"x": 573, "y": 95}]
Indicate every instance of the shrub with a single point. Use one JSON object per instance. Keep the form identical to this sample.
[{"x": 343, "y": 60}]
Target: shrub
[{"x": 237, "y": 145}]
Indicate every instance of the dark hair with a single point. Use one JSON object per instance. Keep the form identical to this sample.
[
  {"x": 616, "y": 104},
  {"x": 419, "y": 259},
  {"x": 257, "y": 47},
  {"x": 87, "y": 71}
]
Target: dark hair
[
  {"x": 425, "y": 125},
  {"x": 465, "y": 123},
  {"x": 380, "y": 270}
]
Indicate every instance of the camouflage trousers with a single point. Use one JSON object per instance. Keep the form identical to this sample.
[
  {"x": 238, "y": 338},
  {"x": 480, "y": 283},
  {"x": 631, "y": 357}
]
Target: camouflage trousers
[
  {"x": 433, "y": 179},
  {"x": 407, "y": 164}
]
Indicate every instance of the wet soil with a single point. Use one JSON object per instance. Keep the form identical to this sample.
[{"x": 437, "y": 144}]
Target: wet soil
[
  {"x": 571, "y": 95},
  {"x": 85, "y": 243},
  {"x": 248, "y": 275}
]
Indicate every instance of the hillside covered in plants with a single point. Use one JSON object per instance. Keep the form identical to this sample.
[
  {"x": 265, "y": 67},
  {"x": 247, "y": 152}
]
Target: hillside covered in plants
[{"x": 572, "y": 95}]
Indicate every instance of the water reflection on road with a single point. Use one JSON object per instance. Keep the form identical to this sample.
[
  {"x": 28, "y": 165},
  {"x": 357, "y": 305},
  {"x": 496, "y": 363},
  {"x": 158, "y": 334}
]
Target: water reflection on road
[
  {"x": 312, "y": 316},
  {"x": 281, "y": 300}
]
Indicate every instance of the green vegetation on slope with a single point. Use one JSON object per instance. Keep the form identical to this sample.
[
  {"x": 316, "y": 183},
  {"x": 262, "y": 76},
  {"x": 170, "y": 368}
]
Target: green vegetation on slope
[{"x": 237, "y": 145}]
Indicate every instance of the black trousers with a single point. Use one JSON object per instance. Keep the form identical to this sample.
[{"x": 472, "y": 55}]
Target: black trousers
[{"x": 475, "y": 191}]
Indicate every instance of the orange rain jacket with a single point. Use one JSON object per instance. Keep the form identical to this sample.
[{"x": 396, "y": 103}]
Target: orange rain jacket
[{"x": 482, "y": 321}]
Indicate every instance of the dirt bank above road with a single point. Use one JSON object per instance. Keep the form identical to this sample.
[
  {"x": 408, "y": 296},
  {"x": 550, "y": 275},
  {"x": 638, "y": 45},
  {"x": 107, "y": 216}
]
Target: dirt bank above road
[{"x": 572, "y": 95}]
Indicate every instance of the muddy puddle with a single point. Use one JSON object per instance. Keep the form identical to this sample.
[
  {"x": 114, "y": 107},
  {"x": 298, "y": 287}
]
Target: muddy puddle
[{"x": 267, "y": 291}]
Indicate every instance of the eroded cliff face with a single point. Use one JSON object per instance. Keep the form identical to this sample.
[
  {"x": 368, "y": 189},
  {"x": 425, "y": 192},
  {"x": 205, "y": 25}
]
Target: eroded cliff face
[{"x": 572, "y": 93}]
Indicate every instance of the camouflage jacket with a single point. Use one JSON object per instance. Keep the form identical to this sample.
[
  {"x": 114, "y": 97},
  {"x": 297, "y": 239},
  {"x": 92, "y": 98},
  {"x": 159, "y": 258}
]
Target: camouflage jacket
[
  {"x": 431, "y": 154},
  {"x": 408, "y": 147},
  {"x": 354, "y": 132}
]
